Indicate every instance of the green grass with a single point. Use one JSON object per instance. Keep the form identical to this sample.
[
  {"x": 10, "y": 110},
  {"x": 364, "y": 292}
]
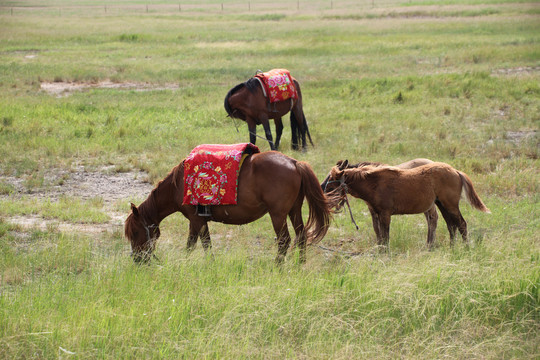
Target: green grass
[{"x": 458, "y": 84}]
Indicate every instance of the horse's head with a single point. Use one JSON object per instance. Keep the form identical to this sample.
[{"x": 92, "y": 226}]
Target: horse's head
[
  {"x": 333, "y": 179},
  {"x": 142, "y": 235},
  {"x": 334, "y": 184}
]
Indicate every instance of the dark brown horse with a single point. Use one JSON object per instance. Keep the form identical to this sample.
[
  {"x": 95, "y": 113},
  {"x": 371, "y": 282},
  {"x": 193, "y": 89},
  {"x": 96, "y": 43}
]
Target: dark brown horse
[
  {"x": 391, "y": 191},
  {"x": 269, "y": 182},
  {"x": 246, "y": 101}
]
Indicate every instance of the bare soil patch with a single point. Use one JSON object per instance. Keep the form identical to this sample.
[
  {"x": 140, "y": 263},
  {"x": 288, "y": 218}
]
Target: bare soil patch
[
  {"x": 106, "y": 184},
  {"x": 62, "y": 89},
  {"x": 517, "y": 71}
]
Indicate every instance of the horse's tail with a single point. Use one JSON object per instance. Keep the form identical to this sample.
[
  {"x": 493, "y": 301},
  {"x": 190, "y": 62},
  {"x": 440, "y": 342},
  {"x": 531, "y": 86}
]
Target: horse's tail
[
  {"x": 307, "y": 128},
  {"x": 319, "y": 212},
  {"x": 295, "y": 128},
  {"x": 471, "y": 194},
  {"x": 295, "y": 132}
]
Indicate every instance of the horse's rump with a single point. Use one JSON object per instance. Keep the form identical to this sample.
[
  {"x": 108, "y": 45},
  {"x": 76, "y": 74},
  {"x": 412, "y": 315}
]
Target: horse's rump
[{"x": 211, "y": 173}]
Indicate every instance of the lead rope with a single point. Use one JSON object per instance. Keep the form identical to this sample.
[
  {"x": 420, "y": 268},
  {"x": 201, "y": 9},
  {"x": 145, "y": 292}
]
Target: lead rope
[
  {"x": 238, "y": 131},
  {"x": 350, "y": 211},
  {"x": 344, "y": 187}
]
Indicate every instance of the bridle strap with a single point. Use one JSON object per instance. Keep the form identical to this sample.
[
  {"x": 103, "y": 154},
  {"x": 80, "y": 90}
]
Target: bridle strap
[
  {"x": 350, "y": 211},
  {"x": 343, "y": 186}
]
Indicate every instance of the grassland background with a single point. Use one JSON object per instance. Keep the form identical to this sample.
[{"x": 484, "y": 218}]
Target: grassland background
[{"x": 454, "y": 81}]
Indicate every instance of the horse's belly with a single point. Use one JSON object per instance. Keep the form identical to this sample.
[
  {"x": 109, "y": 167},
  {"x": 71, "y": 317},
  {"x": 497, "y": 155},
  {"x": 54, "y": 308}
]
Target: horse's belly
[
  {"x": 236, "y": 215},
  {"x": 413, "y": 206}
]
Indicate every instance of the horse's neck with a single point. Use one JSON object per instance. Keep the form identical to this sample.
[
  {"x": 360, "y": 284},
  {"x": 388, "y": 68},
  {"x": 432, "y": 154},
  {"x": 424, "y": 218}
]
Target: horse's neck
[
  {"x": 162, "y": 201},
  {"x": 359, "y": 186}
]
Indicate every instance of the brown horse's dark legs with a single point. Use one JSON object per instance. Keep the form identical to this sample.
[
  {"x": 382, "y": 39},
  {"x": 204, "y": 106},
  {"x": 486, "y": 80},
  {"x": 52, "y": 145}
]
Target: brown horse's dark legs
[
  {"x": 279, "y": 131},
  {"x": 450, "y": 220},
  {"x": 296, "y": 219},
  {"x": 298, "y": 127},
  {"x": 205, "y": 238},
  {"x": 279, "y": 223},
  {"x": 194, "y": 231},
  {"x": 463, "y": 228},
  {"x": 454, "y": 221},
  {"x": 192, "y": 240},
  {"x": 252, "y": 127},
  {"x": 268, "y": 133},
  {"x": 432, "y": 218},
  {"x": 376, "y": 224},
  {"x": 384, "y": 224}
]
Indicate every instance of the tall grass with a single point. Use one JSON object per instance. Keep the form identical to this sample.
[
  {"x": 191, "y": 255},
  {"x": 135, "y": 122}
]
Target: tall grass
[{"x": 456, "y": 84}]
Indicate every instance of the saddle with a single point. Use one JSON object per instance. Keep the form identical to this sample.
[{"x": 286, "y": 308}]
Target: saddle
[
  {"x": 211, "y": 174},
  {"x": 277, "y": 85}
]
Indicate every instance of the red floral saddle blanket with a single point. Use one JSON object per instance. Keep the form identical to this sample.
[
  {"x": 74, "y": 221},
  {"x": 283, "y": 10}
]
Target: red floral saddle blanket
[
  {"x": 211, "y": 173},
  {"x": 277, "y": 85}
]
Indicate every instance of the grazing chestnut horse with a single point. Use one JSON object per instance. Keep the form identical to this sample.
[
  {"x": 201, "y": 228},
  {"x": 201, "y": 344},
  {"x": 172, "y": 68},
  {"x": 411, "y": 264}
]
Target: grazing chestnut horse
[
  {"x": 246, "y": 101},
  {"x": 268, "y": 182},
  {"x": 391, "y": 191}
]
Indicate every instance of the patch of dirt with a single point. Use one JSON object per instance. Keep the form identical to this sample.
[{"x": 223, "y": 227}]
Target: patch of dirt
[
  {"x": 63, "y": 89},
  {"x": 519, "y": 136},
  {"x": 80, "y": 183},
  {"x": 522, "y": 70}
]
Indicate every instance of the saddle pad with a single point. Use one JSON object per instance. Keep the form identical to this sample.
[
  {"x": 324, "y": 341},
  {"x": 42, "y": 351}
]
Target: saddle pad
[
  {"x": 211, "y": 173},
  {"x": 278, "y": 85}
]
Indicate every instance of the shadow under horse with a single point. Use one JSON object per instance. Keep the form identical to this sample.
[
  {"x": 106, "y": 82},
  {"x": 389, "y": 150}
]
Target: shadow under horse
[
  {"x": 268, "y": 182},
  {"x": 247, "y": 101}
]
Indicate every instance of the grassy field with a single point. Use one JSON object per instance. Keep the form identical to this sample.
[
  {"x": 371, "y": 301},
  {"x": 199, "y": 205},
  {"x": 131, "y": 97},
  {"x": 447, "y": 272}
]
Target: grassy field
[{"x": 109, "y": 94}]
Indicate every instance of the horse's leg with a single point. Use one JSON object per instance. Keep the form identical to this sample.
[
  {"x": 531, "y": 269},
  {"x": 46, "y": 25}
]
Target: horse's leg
[
  {"x": 266, "y": 125},
  {"x": 454, "y": 220},
  {"x": 198, "y": 227},
  {"x": 450, "y": 222},
  {"x": 384, "y": 223},
  {"x": 462, "y": 226},
  {"x": 376, "y": 224},
  {"x": 298, "y": 224},
  {"x": 279, "y": 222},
  {"x": 205, "y": 237},
  {"x": 279, "y": 131},
  {"x": 205, "y": 240},
  {"x": 252, "y": 128},
  {"x": 431, "y": 217},
  {"x": 194, "y": 228}
]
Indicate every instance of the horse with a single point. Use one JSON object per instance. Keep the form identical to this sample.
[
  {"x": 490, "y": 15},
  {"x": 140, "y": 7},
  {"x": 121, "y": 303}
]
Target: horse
[
  {"x": 390, "y": 190},
  {"x": 268, "y": 182},
  {"x": 246, "y": 101},
  {"x": 431, "y": 214}
]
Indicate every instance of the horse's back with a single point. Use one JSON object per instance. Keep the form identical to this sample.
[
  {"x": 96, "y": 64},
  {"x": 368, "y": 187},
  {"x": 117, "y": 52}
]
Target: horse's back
[
  {"x": 272, "y": 169},
  {"x": 414, "y": 163}
]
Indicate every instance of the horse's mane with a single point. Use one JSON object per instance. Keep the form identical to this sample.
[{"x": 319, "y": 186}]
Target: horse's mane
[
  {"x": 251, "y": 85},
  {"x": 367, "y": 169},
  {"x": 148, "y": 207},
  {"x": 365, "y": 163},
  {"x": 175, "y": 172}
]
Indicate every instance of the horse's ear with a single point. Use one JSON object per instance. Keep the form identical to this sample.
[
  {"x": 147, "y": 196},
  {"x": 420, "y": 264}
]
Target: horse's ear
[
  {"x": 339, "y": 163},
  {"x": 343, "y": 165},
  {"x": 134, "y": 210}
]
